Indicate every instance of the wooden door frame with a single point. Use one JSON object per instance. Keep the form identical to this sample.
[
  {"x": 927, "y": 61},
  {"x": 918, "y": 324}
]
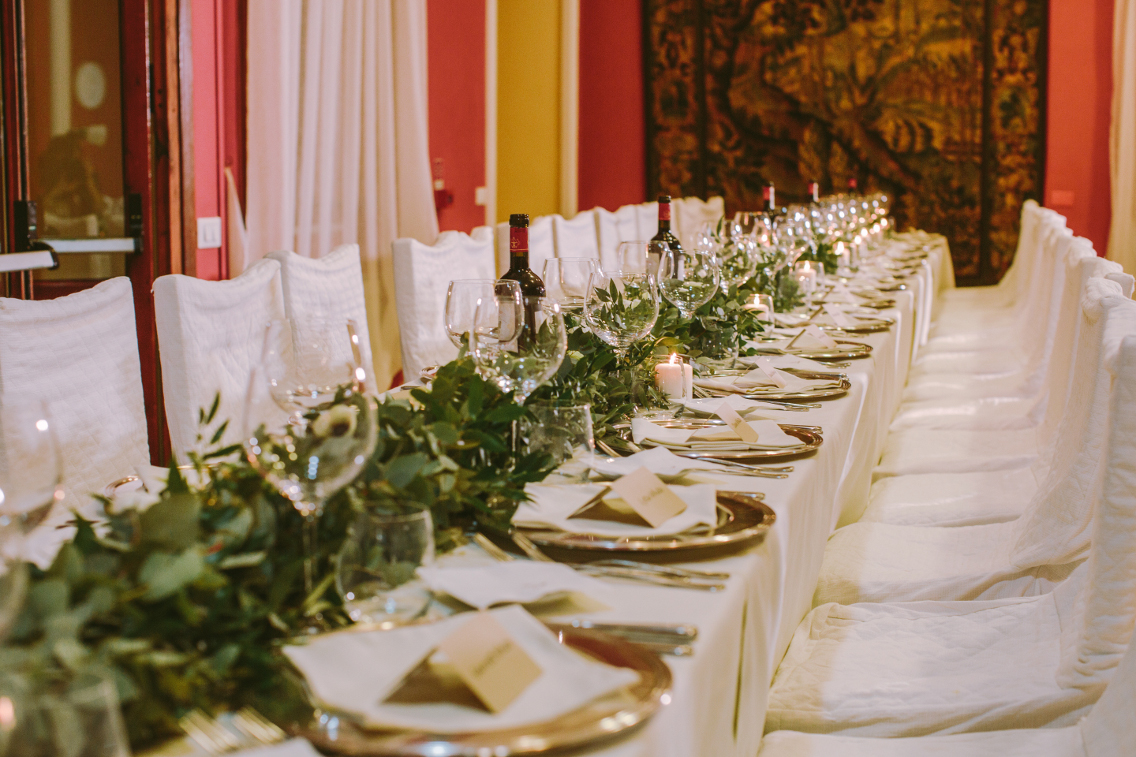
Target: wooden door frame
[{"x": 153, "y": 150}]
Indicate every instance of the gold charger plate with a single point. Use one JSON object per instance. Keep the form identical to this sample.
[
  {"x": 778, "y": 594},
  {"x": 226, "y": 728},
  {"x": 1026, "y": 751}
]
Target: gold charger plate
[
  {"x": 742, "y": 517},
  {"x": 600, "y": 721},
  {"x": 844, "y": 350},
  {"x": 810, "y": 436},
  {"x": 863, "y": 326},
  {"x": 840, "y": 386}
]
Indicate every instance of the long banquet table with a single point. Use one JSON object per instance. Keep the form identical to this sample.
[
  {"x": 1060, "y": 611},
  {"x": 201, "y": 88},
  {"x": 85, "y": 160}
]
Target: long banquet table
[{"x": 718, "y": 700}]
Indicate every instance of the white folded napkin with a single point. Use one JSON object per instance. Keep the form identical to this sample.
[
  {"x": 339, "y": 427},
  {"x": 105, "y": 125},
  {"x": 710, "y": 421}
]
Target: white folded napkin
[
  {"x": 712, "y": 438},
  {"x": 785, "y": 361},
  {"x": 763, "y": 378},
  {"x": 837, "y": 317},
  {"x": 290, "y": 748},
  {"x": 552, "y": 506},
  {"x": 355, "y": 672},
  {"x": 659, "y": 460},
  {"x": 483, "y": 586},
  {"x": 813, "y": 339},
  {"x": 709, "y": 406},
  {"x": 840, "y": 293}
]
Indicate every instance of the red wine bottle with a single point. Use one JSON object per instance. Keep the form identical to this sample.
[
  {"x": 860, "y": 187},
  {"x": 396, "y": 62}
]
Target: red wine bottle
[
  {"x": 769, "y": 194},
  {"x": 532, "y": 288},
  {"x": 814, "y": 191},
  {"x": 664, "y": 235},
  {"x": 852, "y": 185}
]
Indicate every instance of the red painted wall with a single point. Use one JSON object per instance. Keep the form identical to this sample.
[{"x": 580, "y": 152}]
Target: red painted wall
[
  {"x": 208, "y": 112},
  {"x": 456, "y": 70},
  {"x": 1079, "y": 114},
  {"x": 612, "y": 168}
]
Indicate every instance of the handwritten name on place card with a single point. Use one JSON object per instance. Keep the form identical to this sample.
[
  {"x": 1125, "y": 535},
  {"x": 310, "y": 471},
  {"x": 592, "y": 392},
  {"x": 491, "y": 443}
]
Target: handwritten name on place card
[
  {"x": 489, "y": 661},
  {"x": 648, "y": 496},
  {"x": 744, "y": 431}
]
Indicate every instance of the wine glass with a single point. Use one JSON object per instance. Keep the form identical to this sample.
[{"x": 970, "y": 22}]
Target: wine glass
[
  {"x": 688, "y": 278},
  {"x": 621, "y": 307},
  {"x": 461, "y": 302},
  {"x": 79, "y": 717},
  {"x": 309, "y": 427},
  {"x": 737, "y": 256},
  {"x": 566, "y": 281},
  {"x": 375, "y": 571},
  {"x": 518, "y": 343},
  {"x": 636, "y": 257}
]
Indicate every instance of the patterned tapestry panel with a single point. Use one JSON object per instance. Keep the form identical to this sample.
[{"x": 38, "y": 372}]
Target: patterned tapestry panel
[{"x": 934, "y": 101}]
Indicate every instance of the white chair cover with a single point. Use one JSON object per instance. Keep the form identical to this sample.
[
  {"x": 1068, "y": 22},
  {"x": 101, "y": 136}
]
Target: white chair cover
[
  {"x": 1108, "y": 730},
  {"x": 422, "y": 275},
  {"x": 909, "y": 669},
  {"x": 210, "y": 336},
  {"x": 541, "y": 244},
  {"x": 78, "y": 354},
  {"x": 613, "y": 228},
  {"x": 879, "y": 562},
  {"x": 575, "y": 238},
  {"x": 328, "y": 287},
  {"x": 647, "y": 220},
  {"x": 689, "y": 214}
]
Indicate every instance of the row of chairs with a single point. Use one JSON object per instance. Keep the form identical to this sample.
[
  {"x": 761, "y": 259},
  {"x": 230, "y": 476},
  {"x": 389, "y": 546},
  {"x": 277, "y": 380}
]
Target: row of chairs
[
  {"x": 990, "y": 585},
  {"x": 80, "y": 354},
  {"x": 423, "y": 272}
]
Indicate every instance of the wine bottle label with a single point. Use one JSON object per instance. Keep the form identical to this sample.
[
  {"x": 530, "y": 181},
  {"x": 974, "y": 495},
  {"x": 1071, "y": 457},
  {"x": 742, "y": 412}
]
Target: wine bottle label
[
  {"x": 518, "y": 239},
  {"x": 664, "y": 211}
]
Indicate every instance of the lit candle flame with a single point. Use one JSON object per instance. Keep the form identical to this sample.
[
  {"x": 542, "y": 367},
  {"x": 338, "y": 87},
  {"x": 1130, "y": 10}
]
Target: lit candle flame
[{"x": 674, "y": 358}]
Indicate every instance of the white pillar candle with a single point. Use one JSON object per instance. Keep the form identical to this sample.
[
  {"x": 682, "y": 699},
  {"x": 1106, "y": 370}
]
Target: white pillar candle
[
  {"x": 669, "y": 377},
  {"x": 688, "y": 381}
]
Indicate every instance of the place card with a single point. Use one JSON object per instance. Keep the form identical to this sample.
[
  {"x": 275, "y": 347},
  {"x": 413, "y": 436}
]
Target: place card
[
  {"x": 487, "y": 659},
  {"x": 744, "y": 431},
  {"x": 765, "y": 365},
  {"x": 648, "y": 496}
]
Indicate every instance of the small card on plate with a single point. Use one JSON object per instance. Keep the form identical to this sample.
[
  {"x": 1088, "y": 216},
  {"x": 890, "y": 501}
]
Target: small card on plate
[
  {"x": 744, "y": 431},
  {"x": 487, "y": 659},
  {"x": 648, "y": 496}
]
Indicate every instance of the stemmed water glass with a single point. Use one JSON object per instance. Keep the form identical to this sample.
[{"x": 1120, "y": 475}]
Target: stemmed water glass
[
  {"x": 688, "y": 278},
  {"x": 518, "y": 342},
  {"x": 462, "y": 297},
  {"x": 621, "y": 307},
  {"x": 309, "y": 427},
  {"x": 737, "y": 256},
  {"x": 566, "y": 281}
]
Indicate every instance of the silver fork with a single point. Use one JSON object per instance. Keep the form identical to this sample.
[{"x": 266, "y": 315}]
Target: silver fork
[{"x": 248, "y": 728}]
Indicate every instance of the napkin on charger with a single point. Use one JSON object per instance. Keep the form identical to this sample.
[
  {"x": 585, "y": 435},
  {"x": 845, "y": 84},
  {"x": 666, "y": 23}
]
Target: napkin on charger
[
  {"x": 553, "y": 505},
  {"x": 483, "y": 586},
  {"x": 357, "y": 671},
  {"x": 764, "y": 377},
  {"x": 712, "y": 438},
  {"x": 812, "y": 339},
  {"x": 659, "y": 460}
]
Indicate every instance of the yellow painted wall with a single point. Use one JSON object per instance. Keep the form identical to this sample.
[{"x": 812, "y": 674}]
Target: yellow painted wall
[{"x": 528, "y": 107}]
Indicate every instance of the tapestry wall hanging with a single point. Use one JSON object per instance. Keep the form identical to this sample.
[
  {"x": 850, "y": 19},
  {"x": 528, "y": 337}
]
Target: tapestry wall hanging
[{"x": 937, "y": 102}]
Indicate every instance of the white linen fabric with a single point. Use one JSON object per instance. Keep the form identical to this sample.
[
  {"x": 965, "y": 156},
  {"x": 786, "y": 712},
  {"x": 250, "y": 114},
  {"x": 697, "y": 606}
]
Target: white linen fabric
[
  {"x": 647, "y": 220},
  {"x": 327, "y": 287},
  {"x": 690, "y": 214},
  {"x": 337, "y": 146},
  {"x": 542, "y": 245},
  {"x": 553, "y": 505},
  {"x": 517, "y": 581},
  {"x": 908, "y": 669},
  {"x": 332, "y": 663},
  {"x": 422, "y": 275},
  {"x": 210, "y": 335},
  {"x": 877, "y": 562},
  {"x": 1122, "y": 137},
  {"x": 1107, "y": 731},
  {"x": 79, "y": 355},
  {"x": 613, "y": 228},
  {"x": 575, "y": 238}
]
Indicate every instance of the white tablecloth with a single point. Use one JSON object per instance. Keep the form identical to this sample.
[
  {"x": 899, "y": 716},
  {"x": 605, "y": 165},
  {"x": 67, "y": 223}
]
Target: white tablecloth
[{"x": 718, "y": 701}]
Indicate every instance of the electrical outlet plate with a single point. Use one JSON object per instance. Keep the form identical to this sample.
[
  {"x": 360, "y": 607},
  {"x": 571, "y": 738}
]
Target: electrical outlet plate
[{"x": 209, "y": 233}]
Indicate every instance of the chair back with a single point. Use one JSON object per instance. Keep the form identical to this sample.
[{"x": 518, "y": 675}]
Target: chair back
[
  {"x": 689, "y": 214},
  {"x": 613, "y": 228},
  {"x": 79, "y": 355},
  {"x": 211, "y": 336},
  {"x": 328, "y": 287},
  {"x": 647, "y": 220},
  {"x": 422, "y": 274},
  {"x": 577, "y": 237}
]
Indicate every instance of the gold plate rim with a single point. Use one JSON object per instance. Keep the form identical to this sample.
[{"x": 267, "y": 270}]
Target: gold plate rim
[{"x": 810, "y": 438}]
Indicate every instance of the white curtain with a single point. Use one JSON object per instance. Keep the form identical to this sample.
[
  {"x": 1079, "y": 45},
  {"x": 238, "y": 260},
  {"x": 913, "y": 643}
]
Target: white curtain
[
  {"x": 337, "y": 139},
  {"x": 1122, "y": 234}
]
